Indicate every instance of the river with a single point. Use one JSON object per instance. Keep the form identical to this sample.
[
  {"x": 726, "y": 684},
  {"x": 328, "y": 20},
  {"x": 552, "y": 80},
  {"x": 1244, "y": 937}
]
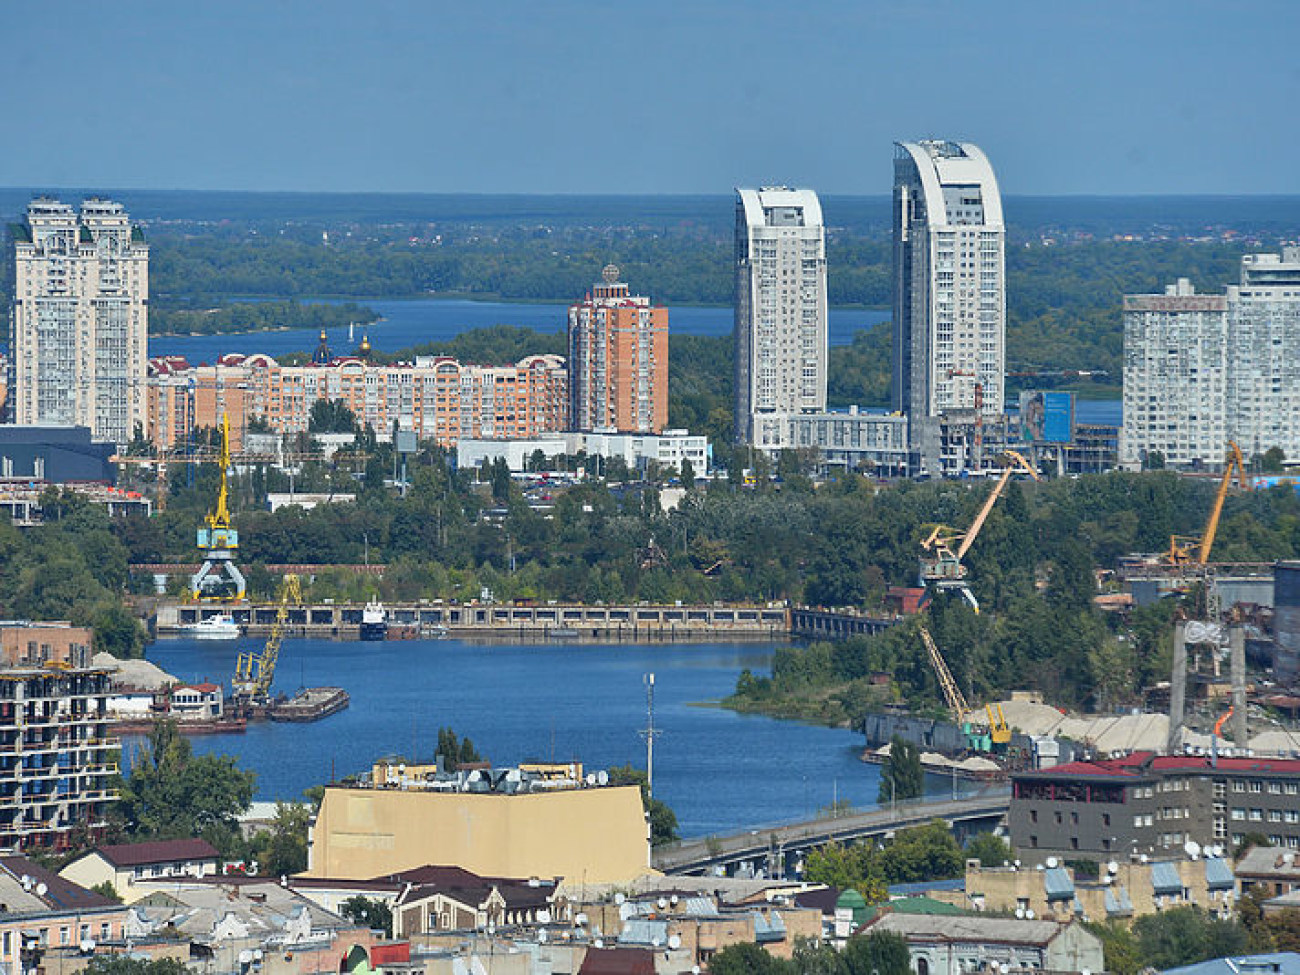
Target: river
[
  {"x": 720, "y": 771},
  {"x": 409, "y": 322}
]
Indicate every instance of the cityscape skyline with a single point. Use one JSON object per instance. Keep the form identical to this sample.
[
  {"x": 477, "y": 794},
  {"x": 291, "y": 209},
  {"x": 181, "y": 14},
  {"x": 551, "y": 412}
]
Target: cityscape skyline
[{"x": 408, "y": 98}]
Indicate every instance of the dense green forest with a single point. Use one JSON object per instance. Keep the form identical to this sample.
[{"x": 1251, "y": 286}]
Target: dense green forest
[{"x": 169, "y": 318}]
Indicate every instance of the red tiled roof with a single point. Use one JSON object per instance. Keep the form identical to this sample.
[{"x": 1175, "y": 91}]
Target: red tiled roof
[
  {"x": 205, "y": 688},
  {"x": 618, "y": 961},
  {"x": 157, "y": 851},
  {"x": 60, "y": 894},
  {"x": 1285, "y": 766}
]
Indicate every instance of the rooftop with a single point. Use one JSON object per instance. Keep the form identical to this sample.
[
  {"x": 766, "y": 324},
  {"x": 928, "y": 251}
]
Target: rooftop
[{"x": 157, "y": 851}]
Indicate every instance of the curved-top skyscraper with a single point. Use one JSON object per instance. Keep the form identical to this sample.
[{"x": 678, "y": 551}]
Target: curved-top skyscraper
[{"x": 949, "y": 285}]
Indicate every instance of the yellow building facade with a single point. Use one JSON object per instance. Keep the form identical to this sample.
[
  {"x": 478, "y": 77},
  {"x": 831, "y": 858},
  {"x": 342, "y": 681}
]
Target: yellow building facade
[{"x": 591, "y": 835}]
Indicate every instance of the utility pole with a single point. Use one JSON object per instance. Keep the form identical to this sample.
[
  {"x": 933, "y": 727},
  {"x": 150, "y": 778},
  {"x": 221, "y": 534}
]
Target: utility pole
[{"x": 650, "y": 733}]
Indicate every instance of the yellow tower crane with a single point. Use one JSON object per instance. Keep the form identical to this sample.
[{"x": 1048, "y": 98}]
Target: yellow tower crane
[
  {"x": 219, "y": 577},
  {"x": 1189, "y": 550},
  {"x": 950, "y": 545},
  {"x": 255, "y": 669},
  {"x": 952, "y": 694}
]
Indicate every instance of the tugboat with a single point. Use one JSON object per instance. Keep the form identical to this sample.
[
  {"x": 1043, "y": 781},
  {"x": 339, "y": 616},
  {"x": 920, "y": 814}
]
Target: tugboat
[{"x": 374, "y": 621}]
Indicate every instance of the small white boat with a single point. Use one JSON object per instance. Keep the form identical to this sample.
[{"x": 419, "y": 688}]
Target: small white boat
[
  {"x": 220, "y": 626},
  {"x": 434, "y": 631},
  {"x": 374, "y": 621}
]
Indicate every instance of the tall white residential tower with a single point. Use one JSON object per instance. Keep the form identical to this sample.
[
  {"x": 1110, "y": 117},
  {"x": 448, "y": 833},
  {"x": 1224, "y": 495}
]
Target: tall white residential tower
[
  {"x": 79, "y": 327},
  {"x": 781, "y": 339},
  {"x": 949, "y": 284},
  {"x": 1200, "y": 370}
]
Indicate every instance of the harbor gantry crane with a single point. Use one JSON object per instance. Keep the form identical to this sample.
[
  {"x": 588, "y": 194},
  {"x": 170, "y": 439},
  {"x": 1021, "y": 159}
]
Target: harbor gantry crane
[
  {"x": 218, "y": 577},
  {"x": 950, "y": 545},
  {"x": 1194, "y": 550},
  {"x": 952, "y": 694},
  {"x": 255, "y": 669}
]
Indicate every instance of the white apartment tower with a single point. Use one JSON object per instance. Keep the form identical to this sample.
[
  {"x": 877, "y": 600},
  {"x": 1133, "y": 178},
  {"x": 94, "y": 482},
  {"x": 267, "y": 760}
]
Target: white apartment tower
[
  {"x": 1264, "y": 354},
  {"x": 949, "y": 283},
  {"x": 79, "y": 326},
  {"x": 781, "y": 337},
  {"x": 1175, "y": 377},
  {"x": 1200, "y": 370}
]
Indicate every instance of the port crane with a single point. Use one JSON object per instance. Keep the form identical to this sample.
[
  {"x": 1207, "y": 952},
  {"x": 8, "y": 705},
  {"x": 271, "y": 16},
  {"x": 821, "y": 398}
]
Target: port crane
[
  {"x": 998, "y": 737},
  {"x": 218, "y": 577},
  {"x": 950, "y": 545},
  {"x": 255, "y": 669},
  {"x": 1194, "y": 550},
  {"x": 952, "y": 694}
]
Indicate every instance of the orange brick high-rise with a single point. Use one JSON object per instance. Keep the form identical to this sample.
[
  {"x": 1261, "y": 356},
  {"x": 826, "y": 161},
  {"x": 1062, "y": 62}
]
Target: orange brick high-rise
[{"x": 618, "y": 360}]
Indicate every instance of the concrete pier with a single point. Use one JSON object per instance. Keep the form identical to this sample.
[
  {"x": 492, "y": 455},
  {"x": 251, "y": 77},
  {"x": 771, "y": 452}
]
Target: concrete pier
[{"x": 549, "y": 621}]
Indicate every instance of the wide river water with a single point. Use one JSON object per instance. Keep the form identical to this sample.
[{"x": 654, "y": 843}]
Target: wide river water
[
  {"x": 720, "y": 771},
  {"x": 414, "y": 321}
]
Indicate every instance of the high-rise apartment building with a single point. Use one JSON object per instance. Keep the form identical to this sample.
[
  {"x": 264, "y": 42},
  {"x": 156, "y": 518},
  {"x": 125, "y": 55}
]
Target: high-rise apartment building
[
  {"x": 618, "y": 360},
  {"x": 781, "y": 304},
  {"x": 1264, "y": 355},
  {"x": 1200, "y": 370},
  {"x": 79, "y": 328},
  {"x": 949, "y": 286},
  {"x": 1175, "y": 377}
]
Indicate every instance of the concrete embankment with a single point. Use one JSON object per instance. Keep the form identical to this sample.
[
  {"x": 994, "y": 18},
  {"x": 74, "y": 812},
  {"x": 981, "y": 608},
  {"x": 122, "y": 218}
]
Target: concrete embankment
[{"x": 415, "y": 620}]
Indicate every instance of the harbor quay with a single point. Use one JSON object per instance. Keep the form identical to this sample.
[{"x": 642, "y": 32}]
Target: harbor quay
[{"x": 412, "y": 620}]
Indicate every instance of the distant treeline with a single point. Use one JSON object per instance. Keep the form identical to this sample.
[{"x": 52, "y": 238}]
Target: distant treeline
[{"x": 254, "y": 316}]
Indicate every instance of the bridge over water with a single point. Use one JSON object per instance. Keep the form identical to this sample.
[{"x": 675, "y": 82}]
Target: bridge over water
[{"x": 766, "y": 849}]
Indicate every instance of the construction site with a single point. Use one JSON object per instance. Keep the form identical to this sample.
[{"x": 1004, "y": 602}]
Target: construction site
[{"x": 1210, "y": 704}]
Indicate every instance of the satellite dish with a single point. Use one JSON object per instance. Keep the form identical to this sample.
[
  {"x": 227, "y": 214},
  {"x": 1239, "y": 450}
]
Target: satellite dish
[
  {"x": 1112, "y": 867},
  {"x": 1029, "y": 914},
  {"x": 674, "y": 941},
  {"x": 257, "y": 954},
  {"x": 600, "y": 943},
  {"x": 1051, "y": 863},
  {"x": 620, "y": 897},
  {"x": 661, "y": 903},
  {"x": 673, "y": 900},
  {"x": 87, "y": 947},
  {"x": 656, "y": 941},
  {"x": 1192, "y": 849},
  {"x": 41, "y": 889},
  {"x": 245, "y": 957},
  {"x": 1020, "y": 913},
  {"x": 602, "y": 777},
  {"x": 1107, "y": 879},
  {"x": 591, "y": 778},
  {"x": 580, "y": 920}
]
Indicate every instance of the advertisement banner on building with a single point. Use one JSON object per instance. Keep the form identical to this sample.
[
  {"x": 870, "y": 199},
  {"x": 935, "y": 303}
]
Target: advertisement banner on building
[{"x": 1046, "y": 417}]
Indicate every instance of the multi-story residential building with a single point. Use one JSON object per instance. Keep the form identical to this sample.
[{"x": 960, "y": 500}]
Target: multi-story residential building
[
  {"x": 57, "y": 761},
  {"x": 437, "y": 397},
  {"x": 781, "y": 312},
  {"x": 949, "y": 291},
  {"x": 1175, "y": 377},
  {"x": 80, "y": 319},
  {"x": 1263, "y": 334},
  {"x": 1200, "y": 370},
  {"x": 618, "y": 360},
  {"x": 1153, "y": 804}
]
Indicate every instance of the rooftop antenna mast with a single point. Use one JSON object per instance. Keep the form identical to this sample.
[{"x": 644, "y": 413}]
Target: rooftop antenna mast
[{"x": 650, "y": 733}]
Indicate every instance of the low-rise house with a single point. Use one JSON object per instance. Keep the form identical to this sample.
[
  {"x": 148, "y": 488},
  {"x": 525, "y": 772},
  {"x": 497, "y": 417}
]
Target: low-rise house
[
  {"x": 1271, "y": 868},
  {"x": 1274, "y": 963},
  {"x": 196, "y": 702},
  {"x": 943, "y": 945},
  {"x": 42, "y": 914},
  {"x": 443, "y": 898},
  {"x": 126, "y": 865},
  {"x": 243, "y": 923},
  {"x": 1120, "y": 890}
]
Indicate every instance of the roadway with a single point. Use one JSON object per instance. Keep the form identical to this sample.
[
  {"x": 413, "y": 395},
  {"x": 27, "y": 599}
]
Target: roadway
[{"x": 700, "y": 855}]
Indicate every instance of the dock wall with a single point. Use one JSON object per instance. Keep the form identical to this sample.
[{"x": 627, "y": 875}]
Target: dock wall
[{"x": 631, "y": 623}]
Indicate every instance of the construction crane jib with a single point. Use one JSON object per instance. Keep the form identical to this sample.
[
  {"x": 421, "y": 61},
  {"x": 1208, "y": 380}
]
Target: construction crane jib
[
  {"x": 255, "y": 669},
  {"x": 1195, "y": 549},
  {"x": 952, "y": 694},
  {"x": 950, "y": 545}
]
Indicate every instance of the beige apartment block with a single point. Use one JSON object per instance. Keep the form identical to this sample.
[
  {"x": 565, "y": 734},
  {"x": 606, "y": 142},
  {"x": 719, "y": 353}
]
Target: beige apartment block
[{"x": 595, "y": 835}]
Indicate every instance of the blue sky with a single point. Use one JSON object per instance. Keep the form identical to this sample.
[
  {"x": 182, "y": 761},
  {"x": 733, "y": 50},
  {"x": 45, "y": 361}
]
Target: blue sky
[{"x": 548, "y": 96}]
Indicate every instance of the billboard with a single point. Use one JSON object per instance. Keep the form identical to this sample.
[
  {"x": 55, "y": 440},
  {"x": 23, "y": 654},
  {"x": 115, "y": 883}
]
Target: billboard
[{"x": 1046, "y": 417}]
